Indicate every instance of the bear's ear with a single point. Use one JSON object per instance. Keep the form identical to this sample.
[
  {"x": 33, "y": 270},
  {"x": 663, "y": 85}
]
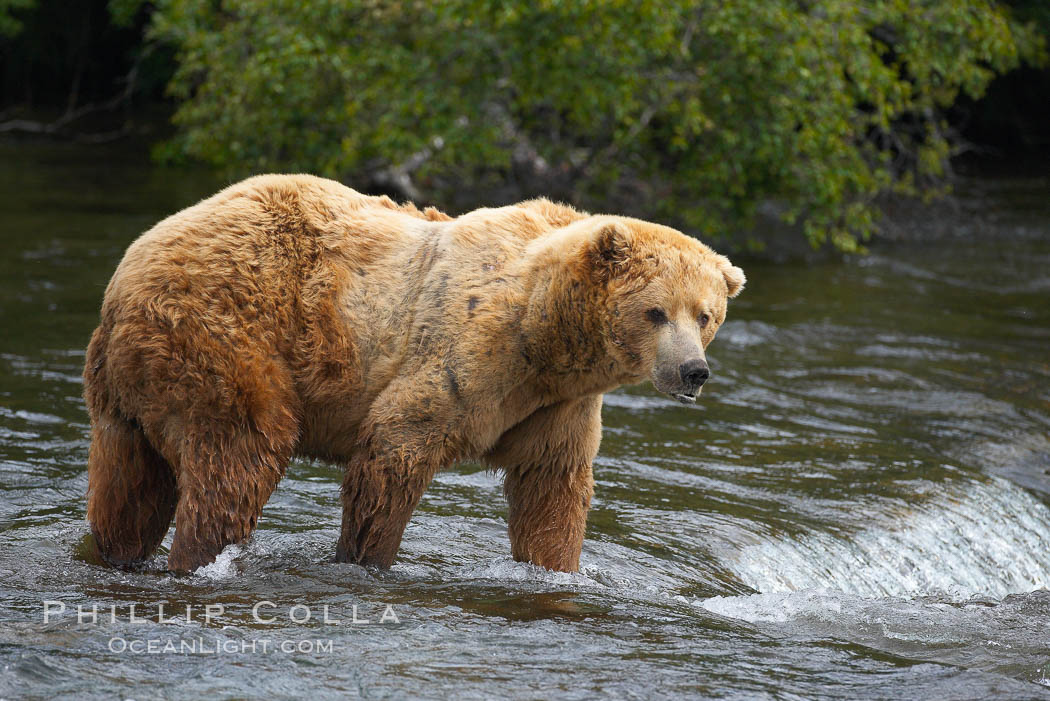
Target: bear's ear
[
  {"x": 609, "y": 250},
  {"x": 734, "y": 276}
]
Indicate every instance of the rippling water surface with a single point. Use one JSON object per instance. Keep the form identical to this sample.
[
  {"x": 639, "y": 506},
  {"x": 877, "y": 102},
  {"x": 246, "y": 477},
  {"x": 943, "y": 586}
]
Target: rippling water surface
[{"x": 856, "y": 509}]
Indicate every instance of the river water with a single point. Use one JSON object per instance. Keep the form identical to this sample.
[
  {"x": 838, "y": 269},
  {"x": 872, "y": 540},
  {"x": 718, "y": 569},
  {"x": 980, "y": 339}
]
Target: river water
[{"x": 857, "y": 507}]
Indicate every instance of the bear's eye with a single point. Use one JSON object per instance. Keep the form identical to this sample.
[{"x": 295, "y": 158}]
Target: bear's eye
[
  {"x": 703, "y": 320},
  {"x": 656, "y": 315}
]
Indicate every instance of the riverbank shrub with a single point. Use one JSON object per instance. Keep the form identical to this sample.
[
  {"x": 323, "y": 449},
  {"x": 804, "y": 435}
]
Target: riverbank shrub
[{"x": 691, "y": 111}]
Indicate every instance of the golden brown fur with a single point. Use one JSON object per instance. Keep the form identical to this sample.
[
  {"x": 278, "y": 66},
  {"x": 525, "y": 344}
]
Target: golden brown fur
[{"x": 291, "y": 315}]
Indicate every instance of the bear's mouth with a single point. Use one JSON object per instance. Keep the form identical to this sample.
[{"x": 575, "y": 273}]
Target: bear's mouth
[{"x": 685, "y": 398}]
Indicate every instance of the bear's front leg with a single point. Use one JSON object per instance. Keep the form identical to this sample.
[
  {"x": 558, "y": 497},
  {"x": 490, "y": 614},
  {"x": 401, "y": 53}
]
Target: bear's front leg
[
  {"x": 383, "y": 483},
  {"x": 407, "y": 437},
  {"x": 549, "y": 483}
]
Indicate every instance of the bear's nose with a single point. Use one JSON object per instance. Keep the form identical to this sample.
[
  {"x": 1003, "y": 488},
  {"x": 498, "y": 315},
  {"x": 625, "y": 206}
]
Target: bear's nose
[{"x": 694, "y": 372}]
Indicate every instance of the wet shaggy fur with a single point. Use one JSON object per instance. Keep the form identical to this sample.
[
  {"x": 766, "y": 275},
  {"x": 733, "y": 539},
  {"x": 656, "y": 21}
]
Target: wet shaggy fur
[{"x": 290, "y": 315}]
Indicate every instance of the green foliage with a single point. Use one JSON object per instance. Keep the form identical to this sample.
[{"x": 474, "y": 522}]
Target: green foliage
[
  {"x": 10, "y": 24},
  {"x": 693, "y": 111},
  {"x": 123, "y": 12},
  {"x": 1035, "y": 11}
]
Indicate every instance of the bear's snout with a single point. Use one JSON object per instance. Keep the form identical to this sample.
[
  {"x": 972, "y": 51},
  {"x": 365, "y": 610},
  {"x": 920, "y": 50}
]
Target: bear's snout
[{"x": 694, "y": 374}]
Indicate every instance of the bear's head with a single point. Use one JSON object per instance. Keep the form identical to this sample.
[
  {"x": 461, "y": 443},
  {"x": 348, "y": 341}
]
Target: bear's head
[{"x": 662, "y": 297}]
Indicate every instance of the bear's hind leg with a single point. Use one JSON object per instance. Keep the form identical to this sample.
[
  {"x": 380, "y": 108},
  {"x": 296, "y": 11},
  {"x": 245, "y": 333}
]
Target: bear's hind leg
[
  {"x": 223, "y": 484},
  {"x": 131, "y": 492}
]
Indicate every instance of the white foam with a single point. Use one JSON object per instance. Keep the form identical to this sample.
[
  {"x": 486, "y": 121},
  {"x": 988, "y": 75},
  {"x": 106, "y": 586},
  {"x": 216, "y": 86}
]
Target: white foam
[
  {"x": 989, "y": 539},
  {"x": 224, "y": 567},
  {"x": 776, "y": 608},
  {"x": 975, "y": 632}
]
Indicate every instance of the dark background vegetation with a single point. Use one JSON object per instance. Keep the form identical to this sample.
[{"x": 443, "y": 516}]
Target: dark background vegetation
[{"x": 703, "y": 114}]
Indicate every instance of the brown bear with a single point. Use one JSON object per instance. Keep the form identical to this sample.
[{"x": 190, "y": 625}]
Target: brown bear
[{"x": 290, "y": 315}]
